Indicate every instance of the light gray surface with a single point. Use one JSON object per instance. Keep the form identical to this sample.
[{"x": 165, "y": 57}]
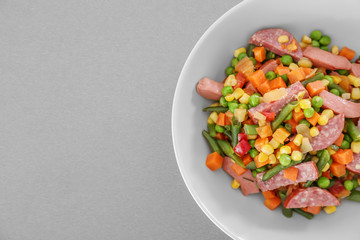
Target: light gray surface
[{"x": 86, "y": 95}]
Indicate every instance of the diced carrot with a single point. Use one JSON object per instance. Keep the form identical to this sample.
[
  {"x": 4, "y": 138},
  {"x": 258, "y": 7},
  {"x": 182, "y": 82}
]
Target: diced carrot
[
  {"x": 293, "y": 146},
  {"x": 221, "y": 136},
  {"x": 293, "y": 125},
  {"x": 238, "y": 169},
  {"x": 309, "y": 72},
  {"x": 268, "y": 194},
  {"x": 277, "y": 83},
  {"x": 281, "y": 70},
  {"x": 314, "y": 88},
  {"x": 337, "y": 169},
  {"x": 214, "y": 161},
  {"x": 297, "y": 116},
  {"x": 314, "y": 119},
  {"x": 248, "y": 121},
  {"x": 314, "y": 210},
  {"x": 260, "y": 164},
  {"x": 343, "y": 156},
  {"x": 257, "y": 78},
  {"x": 247, "y": 159},
  {"x": 259, "y": 142},
  {"x": 264, "y": 131},
  {"x": 291, "y": 173},
  {"x": 280, "y": 135},
  {"x": 348, "y": 53},
  {"x": 296, "y": 75},
  {"x": 264, "y": 87},
  {"x": 221, "y": 119},
  {"x": 259, "y": 54},
  {"x": 339, "y": 141},
  {"x": 345, "y": 83},
  {"x": 257, "y": 65},
  {"x": 272, "y": 203}
]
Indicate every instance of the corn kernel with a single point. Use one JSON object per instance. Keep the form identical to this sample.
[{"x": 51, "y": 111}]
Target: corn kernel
[
  {"x": 283, "y": 39},
  {"x": 215, "y": 104},
  {"x": 323, "y": 120},
  {"x": 298, "y": 140},
  {"x": 336, "y": 79},
  {"x": 315, "y": 159},
  {"x": 238, "y": 51},
  {"x": 297, "y": 109},
  {"x": 327, "y": 166},
  {"x": 328, "y": 113},
  {"x": 325, "y": 82},
  {"x": 335, "y": 50},
  {"x": 263, "y": 157},
  {"x": 314, "y": 131},
  {"x": 278, "y": 155},
  {"x": 303, "y": 45},
  {"x": 262, "y": 123},
  {"x": 330, "y": 150},
  {"x": 272, "y": 159},
  {"x": 346, "y": 96},
  {"x": 213, "y": 116},
  {"x": 293, "y": 66},
  {"x": 306, "y": 39},
  {"x": 285, "y": 150},
  {"x": 238, "y": 93},
  {"x": 313, "y": 152},
  {"x": 355, "y": 93},
  {"x": 355, "y": 147},
  {"x": 275, "y": 144},
  {"x": 240, "y": 114},
  {"x": 259, "y": 116},
  {"x": 296, "y": 155},
  {"x": 305, "y": 63},
  {"x": 355, "y": 81},
  {"x": 267, "y": 149},
  {"x": 305, "y": 103},
  {"x": 244, "y": 98},
  {"x": 330, "y": 209},
  {"x": 210, "y": 121},
  {"x": 235, "y": 184},
  {"x": 229, "y": 97},
  {"x": 230, "y": 81},
  {"x": 300, "y": 95},
  {"x": 254, "y": 136}
]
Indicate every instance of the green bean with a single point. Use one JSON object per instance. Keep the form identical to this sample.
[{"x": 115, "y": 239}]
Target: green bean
[
  {"x": 303, "y": 213},
  {"x": 323, "y": 160},
  {"x": 307, "y": 158},
  {"x": 352, "y": 130},
  {"x": 249, "y": 51},
  {"x": 308, "y": 183},
  {"x": 287, "y": 212},
  {"x": 212, "y": 131},
  {"x": 318, "y": 76},
  {"x": 213, "y": 144},
  {"x": 235, "y": 130},
  {"x": 228, "y": 134},
  {"x": 354, "y": 196},
  {"x": 283, "y": 114},
  {"x": 217, "y": 109},
  {"x": 275, "y": 170},
  {"x": 228, "y": 150},
  {"x": 337, "y": 87},
  {"x": 250, "y": 129},
  {"x": 251, "y": 165}
]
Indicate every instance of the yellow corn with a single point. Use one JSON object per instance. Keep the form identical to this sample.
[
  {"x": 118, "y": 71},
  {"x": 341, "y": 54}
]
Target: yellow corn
[
  {"x": 305, "y": 103},
  {"x": 244, "y": 99},
  {"x": 306, "y": 39},
  {"x": 275, "y": 144},
  {"x": 313, "y": 152},
  {"x": 336, "y": 79},
  {"x": 293, "y": 66},
  {"x": 355, "y": 93},
  {"x": 215, "y": 104},
  {"x": 238, "y": 51},
  {"x": 297, "y": 109},
  {"x": 303, "y": 45},
  {"x": 262, "y": 123},
  {"x": 259, "y": 116},
  {"x": 325, "y": 82},
  {"x": 235, "y": 184},
  {"x": 285, "y": 150},
  {"x": 327, "y": 166},
  {"x": 230, "y": 81},
  {"x": 315, "y": 159},
  {"x": 240, "y": 114},
  {"x": 278, "y": 155},
  {"x": 314, "y": 131},
  {"x": 305, "y": 62},
  {"x": 213, "y": 118},
  {"x": 272, "y": 159},
  {"x": 229, "y": 97},
  {"x": 238, "y": 93},
  {"x": 263, "y": 157},
  {"x": 254, "y": 136},
  {"x": 328, "y": 113},
  {"x": 296, "y": 155},
  {"x": 346, "y": 96},
  {"x": 355, "y": 147},
  {"x": 335, "y": 50},
  {"x": 330, "y": 150},
  {"x": 330, "y": 209},
  {"x": 298, "y": 140},
  {"x": 267, "y": 149},
  {"x": 300, "y": 95},
  {"x": 323, "y": 120},
  {"x": 283, "y": 39}
]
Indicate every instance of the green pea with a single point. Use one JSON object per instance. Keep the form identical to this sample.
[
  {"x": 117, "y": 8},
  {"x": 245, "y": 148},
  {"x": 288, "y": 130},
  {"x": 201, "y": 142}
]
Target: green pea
[
  {"x": 325, "y": 40},
  {"x": 252, "y": 143},
  {"x": 325, "y": 48},
  {"x": 226, "y": 90},
  {"x": 219, "y": 129},
  {"x": 317, "y": 101},
  {"x": 261, "y": 169},
  {"x": 343, "y": 72},
  {"x": 254, "y": 100},
  {"x": 288, "y": 127},
  {"x": 309, "y": 112},
  {"x": 285, "y": 159},
  {"x": 315, "y": 35},
  {"x": 345, "y": 145},
  {"x": 286, "y": 60},
  {"x": 233, "y": 106},
  {"x": 244, "y": 106},
  {"x": 315, "y": 43},
  {"x": 356, "y": 184},
  {"x": 329, "y": 78},
  {"x": 317, "y": 109},
  {"x": 349, "y": 185},
  {"x": 347, "y": 137},
  {"x": 270, "y": 75},
  {"x": 304, "y": 121},
  {"x": 323, "y": 182},
  {"x": 284, "y": 77},
  {"x": 253, "y": 60},
  {"x": 335, "y": 91},
  {"x": 242, "y": 55},
  {"x": 288, "y": 117},
  {"x": 223, "y": 102},
  {"x": 254, "y": 173},
  {"x": 270, "y": 55},
  {"x": 253, "y": 152},
  {"x": 229, "y": 70},
  {"x": 234, "y": 61}
]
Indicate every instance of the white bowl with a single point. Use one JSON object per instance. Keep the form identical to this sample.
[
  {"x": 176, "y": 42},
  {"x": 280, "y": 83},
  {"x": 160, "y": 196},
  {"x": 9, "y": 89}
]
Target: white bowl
[{"x": 238, "y": 216}]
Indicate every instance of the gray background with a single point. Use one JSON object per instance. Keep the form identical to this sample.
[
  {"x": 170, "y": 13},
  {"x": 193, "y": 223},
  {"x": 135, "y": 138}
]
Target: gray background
[{"x": 85, "y": 137}]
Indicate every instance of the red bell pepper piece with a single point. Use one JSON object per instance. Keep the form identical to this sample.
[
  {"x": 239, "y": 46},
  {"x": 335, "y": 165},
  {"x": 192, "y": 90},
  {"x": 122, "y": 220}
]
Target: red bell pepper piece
[
  {"x": 270, "y": 116},
  {"x": 242, "y": 147},
  {"x": 242, "y": 136},
  {"x": 240, "y": 80}
]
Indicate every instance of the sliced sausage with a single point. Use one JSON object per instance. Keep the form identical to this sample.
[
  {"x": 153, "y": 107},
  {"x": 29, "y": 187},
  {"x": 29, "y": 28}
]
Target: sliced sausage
[
  {"x": 355, "y": 69},
  {"x": 328, "y": 133},
  {"x": 246, "y": 180},
  {"x": 310, "y": 197},
  {"x": 307, "y": 172},
  {"x": 209, "y": 88},
  {"x": 269, "y": 65},
  {"x": 322, "y": 58},
  {"x": 354, "y": 166},
  {"x": 268, "y": 38},
  {"x": 340, "y": 105}
]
